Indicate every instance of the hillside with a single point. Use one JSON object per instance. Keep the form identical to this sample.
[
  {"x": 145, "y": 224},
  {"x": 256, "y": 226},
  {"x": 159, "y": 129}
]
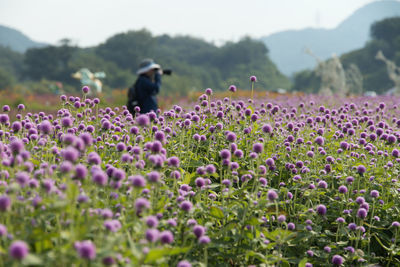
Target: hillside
[
  {"x": 287, "y": 48},
  {"x": 196, "y": 64},
  {"x": 16, "y": 40}
]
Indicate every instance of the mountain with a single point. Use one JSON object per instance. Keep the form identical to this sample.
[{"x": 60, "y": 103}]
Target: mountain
[
  {"x": 287, "y": 48},
  {"x": 16, "y": 40}
]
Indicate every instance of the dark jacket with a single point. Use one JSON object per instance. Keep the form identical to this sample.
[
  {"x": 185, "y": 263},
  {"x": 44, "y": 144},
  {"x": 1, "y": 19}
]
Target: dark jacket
[{"x": 144, "y": 92}]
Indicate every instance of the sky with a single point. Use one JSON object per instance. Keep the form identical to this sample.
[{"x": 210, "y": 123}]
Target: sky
[{"x": 91, "y": 22}]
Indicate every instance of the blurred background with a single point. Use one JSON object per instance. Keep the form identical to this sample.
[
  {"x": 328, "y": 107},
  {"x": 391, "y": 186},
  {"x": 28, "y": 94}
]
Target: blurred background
[{"x": 345, "y": 47}]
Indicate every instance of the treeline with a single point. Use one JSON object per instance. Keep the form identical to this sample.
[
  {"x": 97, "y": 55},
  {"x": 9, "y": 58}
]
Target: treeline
[
  {"x": 196, "y": 64},
  {"x": 385, "y": 37}
]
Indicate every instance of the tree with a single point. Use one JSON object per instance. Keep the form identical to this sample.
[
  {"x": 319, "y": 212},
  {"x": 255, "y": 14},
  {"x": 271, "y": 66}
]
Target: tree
[
  {"x": 6, "y": 79},
  {"x": 127, "y": 49},
  {"x": 50, "y": 62},
  {"x": 387, "y": 29}
]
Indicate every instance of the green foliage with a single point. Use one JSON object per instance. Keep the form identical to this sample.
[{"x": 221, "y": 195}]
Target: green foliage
[
  {"x": 6, "y": 79},
  {"x": 50, "y": 63},
  {"x": 11, "y": 61},
  {"x": 387, "y": 29},
  {"x": 196, "y": 64}
]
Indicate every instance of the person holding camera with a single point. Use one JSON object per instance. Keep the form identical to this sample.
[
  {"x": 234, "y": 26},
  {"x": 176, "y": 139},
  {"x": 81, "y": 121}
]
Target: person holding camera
[{"x": 147, "y": 86}]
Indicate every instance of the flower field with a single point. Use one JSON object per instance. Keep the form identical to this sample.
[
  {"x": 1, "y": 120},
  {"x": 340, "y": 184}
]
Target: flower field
[{"x": 305, "y": 181}]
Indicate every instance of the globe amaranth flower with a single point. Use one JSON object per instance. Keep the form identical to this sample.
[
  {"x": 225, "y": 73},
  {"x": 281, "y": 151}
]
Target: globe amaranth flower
[
  {"x": 272, "y": 195},
  {"x": 395, "y": 224},
  {"x": 166, "y": 237},
  {"x": 337, "y": 260},
  {"x": 291, "y": 226},
  {"x": 86, "y": 249},
  {"x": 258, "y": 147},
  {"x": 342, "y": 189},
  {"x": 184, "y": 263},
  {"x": 352, "y": 226},
  {"x": 152, "y": 221},
  {"x": 281, "y": 218},
  {"x": 152, "y": 235},
  {"x": 204, "y": 239},
  {"x": 198, "y": 230},
  {"x": 5, "y": 203},
  {"x": 374, "y": 194},
  {"x": 18, "y": 250},
  {"x": 186, "y": 205},
  {"x": 232, "y": 88},
  {"x": 321, "y": 209},
  {"x": 361, "y": 169},
  {"x": 362, "y": 213}
]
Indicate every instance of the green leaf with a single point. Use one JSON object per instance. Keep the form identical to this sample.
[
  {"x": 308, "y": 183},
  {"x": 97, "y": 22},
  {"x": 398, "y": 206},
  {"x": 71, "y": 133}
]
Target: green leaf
[
  {"x": 216, "y": 212},
  {"x": 158, "y": 253},
  {"x": 31, "y": 259},
  {"x": 303, "y": 262}
]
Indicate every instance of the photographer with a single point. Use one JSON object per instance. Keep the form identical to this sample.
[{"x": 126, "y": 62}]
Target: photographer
[{"x": 147, "y": 86}]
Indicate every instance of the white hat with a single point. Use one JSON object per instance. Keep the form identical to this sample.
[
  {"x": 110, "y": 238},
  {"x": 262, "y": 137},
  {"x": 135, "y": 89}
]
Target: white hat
[{"x": 146, "y": 65}]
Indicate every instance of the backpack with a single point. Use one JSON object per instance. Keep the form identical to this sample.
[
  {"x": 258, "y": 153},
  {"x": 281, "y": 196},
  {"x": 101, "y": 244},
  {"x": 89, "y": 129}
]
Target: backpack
[{"x": 132, "y": 99}]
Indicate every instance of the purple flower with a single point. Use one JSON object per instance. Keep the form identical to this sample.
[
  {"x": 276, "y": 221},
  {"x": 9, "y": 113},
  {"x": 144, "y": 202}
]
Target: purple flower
[
  {"x": 186, "y": 205},
  {"x": 281, "y": 218},
  {"x": 18, "y": 250},
  {"x": 143, "y": 120},
  {"x": 270, "y": 162},
  {"x": 3, "y": 230},
  {"x": 184, "y": 263},
  {"x": 173, "y": 161},
  {"x": 112, "y": 225},
  {"x": 232, "y": 88},
  {"x": 362, "y": 213},
  {"x": 80, "y": 172},
  {"x": 151, "y": 221},
  {"x": 210, "y": 169},
  {"x": 141, "y": 203},
  {"x": 352, "y": 226},
  {"x": 225, "y": 154},
  {"x": 5, "y": 203},
  {"x": 198, "y": 230},
  {"x": 200, "y": 182},
  {"x": 204, "y": 239},
  {"x": 374, "y": 194},
  {"x": 253, "y": 78},
  {"x": 70, "y": 154},
  {"x": 94, "y": 158},
  {"x": 99, "y": 177},
  {"x": 166, "y": 237},
  {"x": 137, "y": 181},
  {"x": 153, "y": 176},
  {"x": 85, "y": 89},
  {"x": 340, "y": 220},
  {"x": 361, "y": 169},
  {"x": 16, "y": 146},
  {"x": 291, "y": 226},
  {"x": 86, "y": 249},
  {"x": 258, "y": 147},
  {"x": 320, "y": 140},
  {"x": 342, "y": 189},
  {"x": 231, "y": 137},
  {"x": 272, "y": 195},
  {"x": 337, "y": 260},
  {"x": 321, "y": 209},
  {"x": 152, "y": 235},
  {"x": 395, "y": 224}
]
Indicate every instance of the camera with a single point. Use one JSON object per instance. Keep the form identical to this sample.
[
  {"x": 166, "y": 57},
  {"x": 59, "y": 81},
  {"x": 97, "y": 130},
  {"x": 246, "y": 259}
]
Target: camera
[{"x": 167, "y": 72}]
